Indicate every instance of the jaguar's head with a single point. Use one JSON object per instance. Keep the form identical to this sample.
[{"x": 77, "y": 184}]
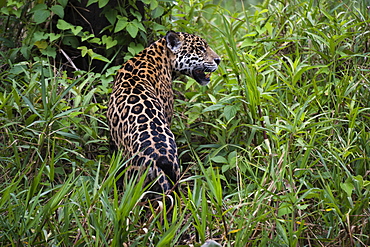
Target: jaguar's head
[{"x": 193, "y": 56}]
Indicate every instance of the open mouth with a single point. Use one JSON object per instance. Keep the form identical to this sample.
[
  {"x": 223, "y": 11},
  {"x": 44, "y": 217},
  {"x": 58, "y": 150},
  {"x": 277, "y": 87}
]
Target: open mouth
[{"x": 201, "y": 76}]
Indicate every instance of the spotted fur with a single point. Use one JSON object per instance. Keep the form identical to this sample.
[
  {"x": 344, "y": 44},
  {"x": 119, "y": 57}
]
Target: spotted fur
[{"x": 141, "y": 104}]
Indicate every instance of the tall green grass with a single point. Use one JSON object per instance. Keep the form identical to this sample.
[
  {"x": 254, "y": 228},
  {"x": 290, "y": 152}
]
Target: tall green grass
[{"x": 275, "y": 150}]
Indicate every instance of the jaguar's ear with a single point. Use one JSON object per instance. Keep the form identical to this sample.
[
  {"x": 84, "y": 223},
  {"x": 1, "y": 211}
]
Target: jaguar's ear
[{"x": 173, "y": 41}]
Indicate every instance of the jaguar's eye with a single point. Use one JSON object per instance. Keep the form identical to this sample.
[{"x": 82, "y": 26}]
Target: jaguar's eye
[{"x": 202, "y": 49}]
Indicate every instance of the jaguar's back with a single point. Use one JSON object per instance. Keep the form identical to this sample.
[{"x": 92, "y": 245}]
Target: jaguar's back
[{"x": 141, "y": 105}]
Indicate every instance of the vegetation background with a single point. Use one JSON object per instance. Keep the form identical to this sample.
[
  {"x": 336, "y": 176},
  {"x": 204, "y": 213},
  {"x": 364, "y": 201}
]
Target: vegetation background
[{"x": 275, "y": 151}]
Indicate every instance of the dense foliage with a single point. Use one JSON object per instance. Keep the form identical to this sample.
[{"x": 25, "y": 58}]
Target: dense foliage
[{"x": 275, "y": 151}]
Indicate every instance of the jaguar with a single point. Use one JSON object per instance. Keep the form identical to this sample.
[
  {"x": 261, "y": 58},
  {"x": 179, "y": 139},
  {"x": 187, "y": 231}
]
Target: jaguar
[{"x": 140, "y": 107}]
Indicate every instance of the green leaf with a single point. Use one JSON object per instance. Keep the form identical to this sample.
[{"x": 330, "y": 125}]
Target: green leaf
[
  {"x": 121, "y": 24},
  {"x": 111, "y": 16},
  {"x": 99, "y": 57},
  {"x": 269, "y": 27},
  {"x": 40, "y": 6},
  {"x": 41, "y": 44},
  {"x": 63, "y": 25},
  {"x": 359, "y": 180},
  {"x": 347, "y": 187},
  {"x": 41, "y": 15},
  {"x": 30, "y": 105},
  {"x": 108, "y": 41},
  {"x": 95, "y": 40},
  {"x": 225, "y": 168},
  {"x": 49, "y": 51},
  {"x": 91, "y": 2},
  {"x": 102, "y": 3},
  {"x": 83, "y": 50},
  {"x": 72, "y": 41},
  {"x": 86, "y": 36},
  {"x": 63, "y": 3},
  {"x": 38, "y": 35},
  {"x": 248, "y": 42},
  {"x": 157, "y": 12},
  {"x": 25, "y": 51},
  {"x": 153, "y": 4},
  {"x": 193, "y": 114},
  {"x": 303, "y": 207},
  {"x": 219, "y": 159},
  {"x": 132, "y": 29},
  {"x": 230, "y": 111},
  {"x": 53, "y": 36},
  {"x": 76, "y": 30},
  {"x": 58, "y": 10},
  {"x": 137, "y": 15},
  {"x": 134, "y": 48},
  {"x": 213, "y": 107},
  {"x": 140, "y": 25},
  {"x": 231, "y": 158},
  {"x": 284, "y": 209}
]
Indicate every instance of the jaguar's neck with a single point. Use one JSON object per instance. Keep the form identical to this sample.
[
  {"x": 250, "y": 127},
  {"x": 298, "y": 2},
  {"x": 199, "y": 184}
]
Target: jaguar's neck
[{"x": 162, "y": 58}]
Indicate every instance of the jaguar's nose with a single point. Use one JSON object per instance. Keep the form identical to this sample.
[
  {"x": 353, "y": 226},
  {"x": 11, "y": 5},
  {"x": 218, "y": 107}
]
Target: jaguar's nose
[{"x": 217, "y": 60}]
